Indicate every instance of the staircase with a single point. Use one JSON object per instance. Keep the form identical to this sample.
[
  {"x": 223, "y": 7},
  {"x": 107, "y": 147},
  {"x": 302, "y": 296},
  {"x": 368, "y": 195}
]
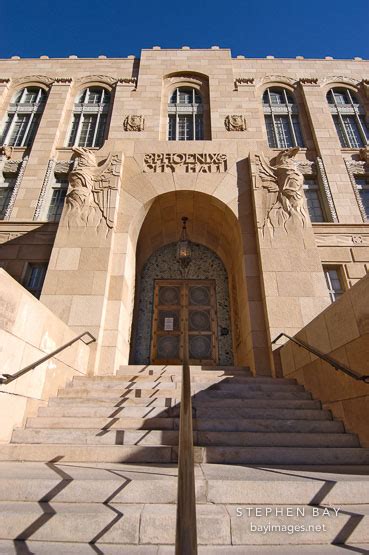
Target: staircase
[{"x": 95, "y": 471}]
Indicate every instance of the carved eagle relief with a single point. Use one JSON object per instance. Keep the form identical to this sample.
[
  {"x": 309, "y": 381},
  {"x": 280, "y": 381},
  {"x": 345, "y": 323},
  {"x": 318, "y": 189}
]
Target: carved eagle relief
[
  {"x": 90, "y": 199},
  {"x": 285, "y": 185}
]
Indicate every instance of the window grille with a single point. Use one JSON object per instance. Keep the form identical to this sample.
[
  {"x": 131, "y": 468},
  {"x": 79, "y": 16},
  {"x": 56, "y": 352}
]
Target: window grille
[
  {"x": 314, "y": 200},
  {"x": 23, "y": 117},
  {"x": 281, "y": 119},
  {"x": 57, "y": 198},
  {"x": 34, "y": 279},
  {"x": 348, "y": 117},
  {"x": 90, "y": 116},
  {"x": 185, "y": 115},
  {"x": 334, "y": 282}
]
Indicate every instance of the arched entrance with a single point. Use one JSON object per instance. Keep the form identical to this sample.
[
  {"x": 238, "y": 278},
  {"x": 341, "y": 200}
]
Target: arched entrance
[
  {"x": 170, "y": 305},
  {"x": 215, "y": 232}
]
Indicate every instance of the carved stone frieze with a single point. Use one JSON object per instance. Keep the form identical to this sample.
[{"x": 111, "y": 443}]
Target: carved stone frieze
[
  {"x": 340, "y": 239},
  {"x": 185, "y": 162},
  {"x": 306, "y": 167},
  {"x": 128, "y": 81},
  {"x": 45, "y": 183},
  {"x": 63, "y": 166},
  {"x": 364, "y": 154},
  {"x": 12, "y": 166},
  {"x": 20, "y": 169},
  {"x": 244, "y": 82},
  {"x": 98, "y": 78},
  {"x": 278, "y": 79},
  {"x": 89, "y": 201},
  {"x": 44, "y": 79},
  {"x": 235, "y": 122},
  {"x": 134, "y": 123},
  {"x": 327, "y": 190},
  {"x": 283, "y": 184},
  {"x": 309, "y": 81},
  {"x": 340, "y": 79}
]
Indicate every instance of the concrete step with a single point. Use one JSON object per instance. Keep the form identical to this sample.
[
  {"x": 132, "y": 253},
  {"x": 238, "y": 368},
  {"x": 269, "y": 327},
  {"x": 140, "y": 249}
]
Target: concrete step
[
  {"x": 166, "y": 454},
  {"x": 90, "y": 453},
  {"x": 18, "y": 547},
  {"x": 141, "y": 411},
  {"x": 201, "y": 438},
  {"x": 153, "y": 370},
  {"x": 167, "y": 402},
  {"x": 286, "y": 455},
  {"x": 224, "y": 484},
  {"x": 108, "y": 381},
  {"x": 195, "y": 387},
  {"x": 199, "y": 423},
  {"x": 175, "y": 393},
  {"x": 155, "y": 524}
]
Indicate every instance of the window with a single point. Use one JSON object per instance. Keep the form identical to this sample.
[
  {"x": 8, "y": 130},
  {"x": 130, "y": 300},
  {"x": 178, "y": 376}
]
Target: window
[
  {"x": 34, "y": 279},
  {"x": 281, "y": 119},
  {"x": 6, "y": 191},
  {"x": 314, "y": 200},
  {"x": 334, "y": 282},
  {"x": 90, "y": 118},
  {"x": 23, "y": 117},
  {"x": 348, "y": 117},
  {"x": 185, "y": 115},
  {"x": 362, "y": 184},
  {"x": 57, "y": 198}
]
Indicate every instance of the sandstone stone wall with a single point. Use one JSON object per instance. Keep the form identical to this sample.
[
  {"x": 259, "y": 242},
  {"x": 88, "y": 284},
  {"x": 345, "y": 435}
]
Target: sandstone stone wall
[{"x": 342, "y": 332}]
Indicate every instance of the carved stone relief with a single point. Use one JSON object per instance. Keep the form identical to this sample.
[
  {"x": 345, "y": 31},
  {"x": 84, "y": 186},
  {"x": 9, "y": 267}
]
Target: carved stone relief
[
  {"x": 340, "y": 240},
  {"x": 134, "y": 123},
  {"x": 309, "y": 81},
  {"x": 283, "y": 183},
  {"x": 6, "y": 151},
  {"x": 89, "y": 201},
  {"x": 357, "y": 168},
  {"x": 244, "y": 82},
  {"x": 44, "y": 79},
  {"x": 63, "y": 166},
  {"x": 235, "y": 123},
  {"x": 185, "y": 162}
]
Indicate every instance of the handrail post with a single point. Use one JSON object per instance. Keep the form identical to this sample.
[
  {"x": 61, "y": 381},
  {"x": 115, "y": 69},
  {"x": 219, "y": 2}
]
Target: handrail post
[{"x": 186, "y": 530}]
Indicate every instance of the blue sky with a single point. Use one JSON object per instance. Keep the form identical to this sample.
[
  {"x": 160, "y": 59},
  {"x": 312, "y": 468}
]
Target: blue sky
[{"x": 87, "y": 28}]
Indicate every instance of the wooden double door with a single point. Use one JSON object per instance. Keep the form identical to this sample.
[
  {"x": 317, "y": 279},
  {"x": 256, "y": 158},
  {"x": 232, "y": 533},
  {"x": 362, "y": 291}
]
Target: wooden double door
[{"x": 184, "y": 318}]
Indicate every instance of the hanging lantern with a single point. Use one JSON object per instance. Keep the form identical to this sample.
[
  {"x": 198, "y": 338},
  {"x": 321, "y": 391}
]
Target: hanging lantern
[{"x": 184, "y": 253}]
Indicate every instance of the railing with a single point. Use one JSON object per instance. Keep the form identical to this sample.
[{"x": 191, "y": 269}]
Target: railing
[
  {"x": 186, "y": 531},
  {"x": 5, "y": 379},
  {"x": 337, "y": 365}
]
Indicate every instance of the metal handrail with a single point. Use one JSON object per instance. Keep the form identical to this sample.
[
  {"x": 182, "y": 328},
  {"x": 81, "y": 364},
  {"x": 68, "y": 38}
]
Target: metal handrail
[
  {"x": 186, "y": 530},
  {"x": 337, "y": 365},
  {"x": 5, "y": 379}
]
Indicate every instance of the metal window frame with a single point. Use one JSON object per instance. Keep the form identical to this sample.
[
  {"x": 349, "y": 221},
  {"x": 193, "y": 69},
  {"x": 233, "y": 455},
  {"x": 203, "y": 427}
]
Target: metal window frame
[
  {"x": 177, "y": 109},
  {"x": 285, "y": 109},
  {"x": 333, "y": 293},
  {"x": 352, "y": 109},
  {"x": 315, "y": 187},
  {"x": 19, "y": 108},
  {"x": 83, "y": 108}
]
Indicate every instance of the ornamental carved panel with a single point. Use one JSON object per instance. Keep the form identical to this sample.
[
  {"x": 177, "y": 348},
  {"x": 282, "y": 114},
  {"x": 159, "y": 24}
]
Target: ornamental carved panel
[
  {"x": 134, "y": 123},
  {"x": 235, "y": 122}
]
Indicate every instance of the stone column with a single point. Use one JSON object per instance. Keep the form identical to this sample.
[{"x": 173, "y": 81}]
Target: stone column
[
  {"x": 293, "y": 284},
  {"x": 43, "y": 149},
  {"x": 329, "y": 149},
  {"x": 77, "y": 281}
]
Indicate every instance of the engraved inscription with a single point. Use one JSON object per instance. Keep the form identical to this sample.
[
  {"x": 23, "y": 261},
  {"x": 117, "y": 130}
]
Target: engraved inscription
[{"x": 185, "y": 163}]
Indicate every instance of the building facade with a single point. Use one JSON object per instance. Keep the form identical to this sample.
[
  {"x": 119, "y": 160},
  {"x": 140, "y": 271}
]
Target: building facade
[{"x": 267, "y": 159}]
